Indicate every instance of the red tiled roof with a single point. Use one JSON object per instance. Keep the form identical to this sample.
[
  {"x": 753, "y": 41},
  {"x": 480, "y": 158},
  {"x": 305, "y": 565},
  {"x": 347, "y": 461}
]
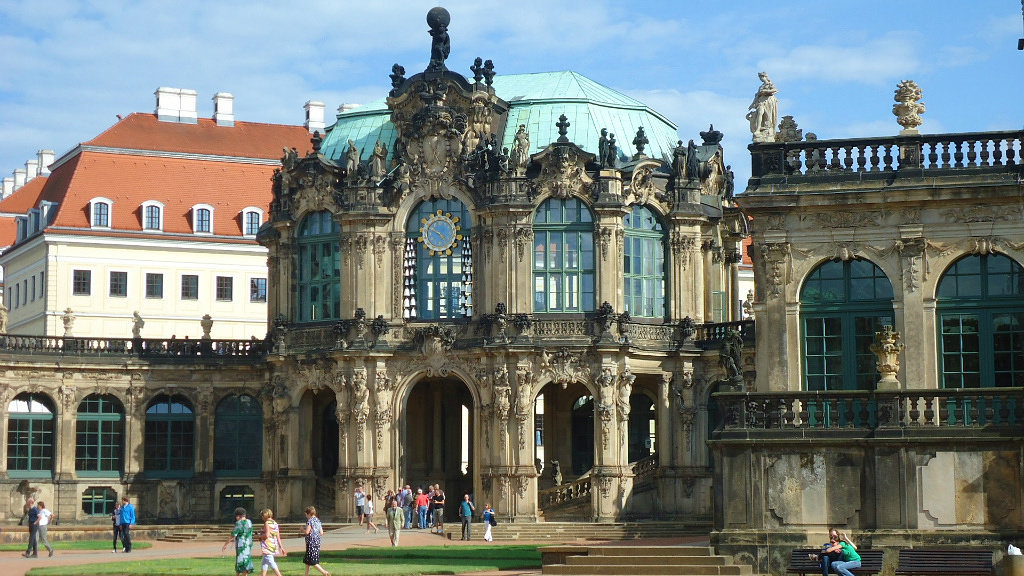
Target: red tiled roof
[
  {"x": 19, "y": 203},
  {"x": 141, "y": 131}
]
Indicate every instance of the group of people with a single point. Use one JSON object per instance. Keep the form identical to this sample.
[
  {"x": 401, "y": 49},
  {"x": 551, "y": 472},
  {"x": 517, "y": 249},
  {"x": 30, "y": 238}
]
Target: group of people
[
  {"x": 122, "y": 519},
  {"x": 426, "y": 506},
  {"x": 271, "y": 545},
  {"x": 39, "y": 518},
  {"x": 838, "y": 555}
]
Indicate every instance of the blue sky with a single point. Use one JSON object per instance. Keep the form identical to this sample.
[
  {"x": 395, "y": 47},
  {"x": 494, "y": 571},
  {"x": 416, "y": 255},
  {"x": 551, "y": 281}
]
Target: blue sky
[{"x": 69, "y": 67}]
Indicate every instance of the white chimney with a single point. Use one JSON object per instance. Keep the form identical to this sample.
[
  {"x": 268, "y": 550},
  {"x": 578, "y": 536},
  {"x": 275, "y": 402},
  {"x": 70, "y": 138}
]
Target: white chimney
[
  {"x": 31, "y": 169},
  {"x": 19, "y": 178},
  {"x": 224, "y": 109},
  {"x": 8, "y": 186},
  {"x": 46, "y": 157},
  {"x": 314, "y": 116},
  {"x": 187, "y": 114},
  {"x": 168, "y": 104}
]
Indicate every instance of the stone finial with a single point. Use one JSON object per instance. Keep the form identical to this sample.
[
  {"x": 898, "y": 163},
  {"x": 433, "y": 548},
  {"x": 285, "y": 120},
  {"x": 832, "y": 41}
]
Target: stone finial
[
  {"x": 711, "y": 137},
  {"x": 477, "y": 69},
  {"x": 563, "y": 128},
  {"x": 69, "y": 320},
  {"x": 908, "y": 108},
  {"x": 887, "y": 348},
  {"x": 640, "y": 141},
  {"x": 207, "y": 323},
  {"x": 788, "y": 131},
  {"x": 438, "y": 19}
]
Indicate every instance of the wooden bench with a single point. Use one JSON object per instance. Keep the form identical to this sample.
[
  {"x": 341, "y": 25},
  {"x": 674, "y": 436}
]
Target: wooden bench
[
  {"x": 930, "y": 561},
  {"x": 800, "y": 563}
]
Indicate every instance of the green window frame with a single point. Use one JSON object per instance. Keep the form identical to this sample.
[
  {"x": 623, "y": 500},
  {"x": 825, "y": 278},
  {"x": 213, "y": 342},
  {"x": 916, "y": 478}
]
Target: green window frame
[
  {"x": 438, "y": 285},
  {"x": 643, "y": 263},
  {"x": 980, "y": 308},
  {"x": 842, "y": 305},
  {"x": 319, "y": 273},
  {"x": 30, "y": 436},
  {"x": 98, "y": 501},
  {"x": 99, "y": 445},
  {"x": 238, "y": 436},
  {"x": 563, "y": 257},
  {"x": 169, "y": 438}
]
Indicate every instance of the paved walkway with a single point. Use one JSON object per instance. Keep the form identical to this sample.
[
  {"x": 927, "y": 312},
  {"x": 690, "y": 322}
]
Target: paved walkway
[{"x": 13, "y": 564}]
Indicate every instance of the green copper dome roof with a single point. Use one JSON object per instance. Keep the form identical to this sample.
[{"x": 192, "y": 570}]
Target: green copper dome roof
[{"x": 536, "y": 100}]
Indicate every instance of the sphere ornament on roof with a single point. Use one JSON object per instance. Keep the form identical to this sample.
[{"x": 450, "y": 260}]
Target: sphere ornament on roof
[{"x": 438, "y": 19}]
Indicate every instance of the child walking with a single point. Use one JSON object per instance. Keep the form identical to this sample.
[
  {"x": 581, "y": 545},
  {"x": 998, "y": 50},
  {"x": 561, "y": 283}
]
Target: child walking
[{"x": 272, "y": 545}]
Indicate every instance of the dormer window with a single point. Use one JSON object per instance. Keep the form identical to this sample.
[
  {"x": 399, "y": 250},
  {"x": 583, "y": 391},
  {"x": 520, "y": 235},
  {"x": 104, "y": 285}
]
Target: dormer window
[
  {"x": 202, "y": 219},
  {"x": 252, "y": 218},
  {"x": 152, "y": 215},
  {"x": 99, "y": 208}
]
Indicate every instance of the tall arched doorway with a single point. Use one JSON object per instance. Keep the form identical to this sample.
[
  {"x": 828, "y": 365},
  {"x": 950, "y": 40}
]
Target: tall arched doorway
[
  {"x": 439, "y": 439},
  {"x": 319, "y": 409}
]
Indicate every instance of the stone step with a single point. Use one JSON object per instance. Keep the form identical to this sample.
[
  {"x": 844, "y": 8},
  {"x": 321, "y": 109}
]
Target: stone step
[
  {"x": 652, "y": 569},
  {"x": 675, "y": 551},
  {"x": 645, "y": 560}
]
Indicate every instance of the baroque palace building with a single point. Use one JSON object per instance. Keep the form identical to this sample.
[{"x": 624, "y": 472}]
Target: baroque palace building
[{"x": 471, "y": 283}]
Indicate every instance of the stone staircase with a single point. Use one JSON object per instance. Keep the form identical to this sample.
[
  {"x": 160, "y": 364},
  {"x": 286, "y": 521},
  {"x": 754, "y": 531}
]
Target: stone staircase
[
  {"x": 631, "y": 560},
  {"x": 204, "y": 532},
  {"x": 573, "y": 531}
]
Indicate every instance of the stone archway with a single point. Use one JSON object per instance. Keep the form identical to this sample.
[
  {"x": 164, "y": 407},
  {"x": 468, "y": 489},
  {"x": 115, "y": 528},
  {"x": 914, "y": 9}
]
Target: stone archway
[{"x": 439, "y": 438}]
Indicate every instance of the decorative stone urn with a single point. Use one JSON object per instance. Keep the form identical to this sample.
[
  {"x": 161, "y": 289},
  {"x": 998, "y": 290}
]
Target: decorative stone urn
[
  {"x": 908, "y": 108},
  {"x": 887, "y": 349}
]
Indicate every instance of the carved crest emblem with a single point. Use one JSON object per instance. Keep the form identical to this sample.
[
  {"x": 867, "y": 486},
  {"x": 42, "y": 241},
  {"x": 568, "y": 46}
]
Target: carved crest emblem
[{"x": 563, "y": 171}]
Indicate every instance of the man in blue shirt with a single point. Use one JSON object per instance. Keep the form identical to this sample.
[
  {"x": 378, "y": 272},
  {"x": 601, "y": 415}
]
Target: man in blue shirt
[
  {"x": 405, "y": 499},
  {"x": 33, "y": 528},
  {"x": 127, "y": 519},
  {"x": 466, "y": 510}
]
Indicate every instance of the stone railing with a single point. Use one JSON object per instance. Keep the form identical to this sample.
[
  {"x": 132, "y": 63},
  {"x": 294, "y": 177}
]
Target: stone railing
[
  {"x": 855, "y": 158},
  {"x": 645, "y": 471},
  {"x": 711, "y": 335},
  {"x": 566, "y": 493},
  {"x": 142, "y": 347},
  {"x": 871, "y": 412}
]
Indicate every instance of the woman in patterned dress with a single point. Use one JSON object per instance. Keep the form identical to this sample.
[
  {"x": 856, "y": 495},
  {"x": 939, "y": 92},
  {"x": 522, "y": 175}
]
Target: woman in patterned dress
[
  {"x": 314, "y": 530},
  {"x": 242, "y": 537}
]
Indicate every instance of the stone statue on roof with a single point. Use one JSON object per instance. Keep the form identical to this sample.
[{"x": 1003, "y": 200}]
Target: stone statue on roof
[
  {"x": 764, "y": 110},
  {"x": 438, "y": 19},
  {"x": 379, "y": 161},
  {"x": 137, "y": 324},
  {"x": 602, "y": 148},
  {"x": 521, "y": 150},
  {"x": 351, "y": 158}
]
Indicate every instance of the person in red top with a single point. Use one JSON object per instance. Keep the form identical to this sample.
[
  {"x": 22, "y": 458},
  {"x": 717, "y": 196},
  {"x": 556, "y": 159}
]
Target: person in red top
[{"x": 422, "y": 505}]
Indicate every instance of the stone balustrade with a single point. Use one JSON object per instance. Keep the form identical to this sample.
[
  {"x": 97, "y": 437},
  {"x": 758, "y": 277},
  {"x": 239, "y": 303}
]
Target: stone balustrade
[
  {"x": 149, "y": 348},
  {"x": 565, "y": 493},
  {"x": 870, "y": 412},
  {"x": 860, "y": 158}
]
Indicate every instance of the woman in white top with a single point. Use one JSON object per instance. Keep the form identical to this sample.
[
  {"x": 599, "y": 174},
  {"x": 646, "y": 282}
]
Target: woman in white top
[{"x": 368, "y": 511}]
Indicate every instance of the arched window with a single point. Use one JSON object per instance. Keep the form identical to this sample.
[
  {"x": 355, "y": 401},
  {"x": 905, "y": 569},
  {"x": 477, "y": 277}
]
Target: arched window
[
  {"x": 100, "y": 436},
  {"x": 563, "y": 257},
  {"x": 980, "y": 305},
  {"x": 30, "y": 435},
  {"x": 319, "y": 281},
  {"x": 152, "y": 215},
  {"x": 842, "y": 305},
  {"x": 170, "y": 437},
  {"x": 238, "y": 437},
  {"x": 252, "y": 218},
  {"x": 100, "y": 212},
  {"x": 202, "y": 219},
  {"x": 643, "y": 264},
  {"x": 438, "y": 261},
  {"x": 98, "y": 501}
]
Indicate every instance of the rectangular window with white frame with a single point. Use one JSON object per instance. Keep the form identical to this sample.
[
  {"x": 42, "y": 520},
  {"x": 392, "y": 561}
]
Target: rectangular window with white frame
[
  {"x": 118, "y": 284},
  {"x": 257, "y": 290},
  {"x": 225, "y": 286},
  {"x": 81, "y": 282},
  {"x": 154, "y": 285},
  {"x": 189, "y": 287}
]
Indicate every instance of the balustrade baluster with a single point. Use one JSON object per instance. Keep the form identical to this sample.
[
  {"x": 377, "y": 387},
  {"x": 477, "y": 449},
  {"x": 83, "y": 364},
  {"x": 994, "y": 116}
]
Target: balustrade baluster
[
  {"x": 933, "y": 155},
  {"x": 984, "y": 151},
  {"x": 861, "y": 158},
  {"x": 944, "y": 410},
  {"x": 888, "y": 158},
  {"x": 972, "y": 410},
  {"x": 1011, "y": 151},
  {"x": 835, "y": 164},
  {"x": 849, "y": 416},
  {"x": 971, "y": 154},
  {"x": 864, "y": 415},
  {"x": 848, "y": 161},
  {"x": 805, "y": 413},
  {"x": 997, "y": 152},
  {"x": 787, "y": 413},
  {"x": 875, "y": 159},
  {"x": 958, "y": 154},
  {"x": 1004, "y": 409},
  {"x": 990, "y": 410},
  {"x": 912, "y": 401},
  {"x": 945, "y": 153},
  {"x": 929, "y": 410}
]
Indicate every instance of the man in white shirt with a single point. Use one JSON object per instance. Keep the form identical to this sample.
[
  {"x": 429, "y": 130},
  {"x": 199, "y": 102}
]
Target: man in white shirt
[{"x": 42, "y": 524}]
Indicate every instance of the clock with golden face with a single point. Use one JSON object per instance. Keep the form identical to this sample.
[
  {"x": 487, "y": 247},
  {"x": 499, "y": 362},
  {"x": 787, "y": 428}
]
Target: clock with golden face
[{"x": 439, "y": 232}]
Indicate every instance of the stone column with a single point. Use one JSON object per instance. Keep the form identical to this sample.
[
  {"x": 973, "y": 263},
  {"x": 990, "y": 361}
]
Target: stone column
[
  {"x": 134, "y": 428},
  {"x": 913, "y": 320},
  {"x": 5, "y": 418},
  {"x": 776, "y": 322},
  {"x": 608, "y": 234}
]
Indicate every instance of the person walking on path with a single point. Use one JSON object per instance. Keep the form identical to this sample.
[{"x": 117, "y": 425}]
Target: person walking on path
[
  {"x": 395, "y": 521},
  {"x": 33, "y": 529},
  {"x": 271, "y": 544},
  {"x": 360, "y": 504},
  {"x": 45, "y": 515},
  {"x": 407, "y": 497},
  {"x": 127, "y": 519},
  {"x": 466, "y": 510},
  {"x": 422, "y": 505},
  {"x": 368, "y": 510},
  {"x": 314, "y": 532},
  {"x": 241, "y": 535},
  {"x": 115, "y": 519},
  {"x": 488, "y": 517}
]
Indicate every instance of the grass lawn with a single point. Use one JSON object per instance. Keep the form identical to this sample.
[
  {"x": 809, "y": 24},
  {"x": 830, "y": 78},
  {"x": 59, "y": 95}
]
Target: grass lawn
[
  {"x": 59, "y": 545},
  {"x": 401, "y": 561}
]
